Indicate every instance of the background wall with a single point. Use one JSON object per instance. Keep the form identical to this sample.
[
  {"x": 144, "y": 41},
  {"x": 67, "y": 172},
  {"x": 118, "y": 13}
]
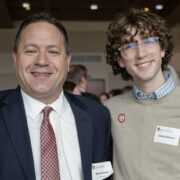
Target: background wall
[{"x": 84, "y": 37}]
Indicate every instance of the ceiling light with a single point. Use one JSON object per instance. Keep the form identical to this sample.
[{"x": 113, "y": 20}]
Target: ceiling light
[
  {"x": 146, "y": 9},
  {"x": 26, "y": 6},
  {"x": 159, "y": 7},
  {"x": 93, "y": 6}
]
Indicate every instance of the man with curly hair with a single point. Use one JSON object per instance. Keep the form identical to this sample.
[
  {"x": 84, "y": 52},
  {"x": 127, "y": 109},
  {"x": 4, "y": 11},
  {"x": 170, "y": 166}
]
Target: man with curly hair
[{"x": 146, "y": 120}]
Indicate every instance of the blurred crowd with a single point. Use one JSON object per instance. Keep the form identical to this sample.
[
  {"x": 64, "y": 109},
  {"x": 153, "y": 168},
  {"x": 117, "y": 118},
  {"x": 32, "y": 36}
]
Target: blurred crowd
[{"x": 77, "y": 83}]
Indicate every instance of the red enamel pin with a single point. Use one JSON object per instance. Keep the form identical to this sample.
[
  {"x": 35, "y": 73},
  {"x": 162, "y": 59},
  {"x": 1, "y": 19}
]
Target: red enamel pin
[{"x": 121, "y": 117}]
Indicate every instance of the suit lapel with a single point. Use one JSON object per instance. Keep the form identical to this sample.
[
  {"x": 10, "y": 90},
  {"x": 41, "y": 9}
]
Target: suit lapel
[
  {"x": 15, "y": 120},
  {"x": 85, "y": 132}
]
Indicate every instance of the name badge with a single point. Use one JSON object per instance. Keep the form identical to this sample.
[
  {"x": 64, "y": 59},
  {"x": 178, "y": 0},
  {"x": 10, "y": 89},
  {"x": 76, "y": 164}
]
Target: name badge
[
  {"x": 167, "y": 135},
  {"x": 101, "y": 170}
]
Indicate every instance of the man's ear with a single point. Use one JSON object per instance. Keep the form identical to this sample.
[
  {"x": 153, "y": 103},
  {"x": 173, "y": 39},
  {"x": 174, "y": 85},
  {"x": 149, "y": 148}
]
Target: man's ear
[
  {"x": 14, "y": 55},
  {"x": 162, "y": 53},
  {"x": 68, "y": 60},
  {"x": 120, "y": 62}
]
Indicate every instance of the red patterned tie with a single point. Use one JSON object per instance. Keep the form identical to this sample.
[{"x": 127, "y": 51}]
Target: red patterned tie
[{"x": 49, "y": 156}]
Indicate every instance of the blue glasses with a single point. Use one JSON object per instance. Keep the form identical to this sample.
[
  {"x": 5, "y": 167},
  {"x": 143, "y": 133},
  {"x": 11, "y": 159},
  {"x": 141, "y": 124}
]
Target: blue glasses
[{"x": 130, "y": 50}]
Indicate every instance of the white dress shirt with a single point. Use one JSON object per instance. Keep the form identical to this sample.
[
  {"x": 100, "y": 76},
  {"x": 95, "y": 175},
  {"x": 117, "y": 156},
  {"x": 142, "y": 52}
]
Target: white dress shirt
[{"x": 63, "y": 123}]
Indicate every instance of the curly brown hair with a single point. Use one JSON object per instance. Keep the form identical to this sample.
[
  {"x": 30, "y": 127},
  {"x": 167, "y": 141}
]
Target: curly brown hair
[{"x": 147, "y": 25}]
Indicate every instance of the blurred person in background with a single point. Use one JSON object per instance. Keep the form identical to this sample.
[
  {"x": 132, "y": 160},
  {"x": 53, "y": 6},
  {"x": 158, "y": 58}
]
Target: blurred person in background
[
  {"x": 114, "y": 92},
  {"x": 103, "y": 97},
  {"x": 91, "y": 96},
  {"x": 78, "y": 75},
  {"x": 126, "y": 89},
  {"x": 69, "y": 87}
]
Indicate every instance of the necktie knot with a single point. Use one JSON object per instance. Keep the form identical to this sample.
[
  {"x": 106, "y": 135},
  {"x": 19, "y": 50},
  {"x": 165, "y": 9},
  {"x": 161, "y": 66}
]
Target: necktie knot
[{"x": 46, "y": 111}]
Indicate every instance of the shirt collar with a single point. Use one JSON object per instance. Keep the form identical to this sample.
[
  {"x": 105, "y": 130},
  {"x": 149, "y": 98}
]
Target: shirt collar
[
  {"x": 34, "y": 107},
  {"x": 162, "y": 91}
]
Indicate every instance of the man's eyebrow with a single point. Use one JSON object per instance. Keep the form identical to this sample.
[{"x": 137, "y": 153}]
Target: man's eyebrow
[
  {"x": 54, "y": 46},
  {"x": 36, "y": 46},
  {"x": 29, "y": 45},
  {"x": 127, "y": 41}
]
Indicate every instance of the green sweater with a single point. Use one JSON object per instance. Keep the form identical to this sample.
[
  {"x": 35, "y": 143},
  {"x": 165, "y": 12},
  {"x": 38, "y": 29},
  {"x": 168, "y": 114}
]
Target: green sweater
[{"x": 135, "y": 154}]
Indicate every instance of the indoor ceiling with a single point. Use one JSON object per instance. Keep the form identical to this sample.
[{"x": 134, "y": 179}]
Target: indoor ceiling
[{"x": 12, "y": 10}]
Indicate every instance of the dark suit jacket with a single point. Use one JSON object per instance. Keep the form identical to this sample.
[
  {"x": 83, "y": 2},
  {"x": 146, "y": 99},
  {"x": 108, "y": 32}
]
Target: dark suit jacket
[{"x": 16, "y": 159}]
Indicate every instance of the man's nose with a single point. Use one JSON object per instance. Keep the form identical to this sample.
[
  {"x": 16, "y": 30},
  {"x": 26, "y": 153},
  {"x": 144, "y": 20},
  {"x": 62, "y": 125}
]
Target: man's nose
[
  {"x": 42, "y": 59},
  {"x": 141, "y": 51}
]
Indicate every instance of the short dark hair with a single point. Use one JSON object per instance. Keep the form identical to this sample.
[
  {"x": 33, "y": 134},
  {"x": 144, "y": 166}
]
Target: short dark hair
[
  {"x": 104, "y": 94},
  {"x": 115, "y": 92},
  {"x": 69, "y": 86},
  {"x": 42, "y": 17},
  {"x": 75, "y": 73},
  {"x": 146, "y": 24}
]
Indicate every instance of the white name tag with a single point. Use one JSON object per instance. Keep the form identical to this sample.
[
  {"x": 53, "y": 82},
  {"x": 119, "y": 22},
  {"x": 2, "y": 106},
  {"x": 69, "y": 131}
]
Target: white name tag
[
  {"x": 167, "y": 135},
  {"x": 101, "y": 170}
]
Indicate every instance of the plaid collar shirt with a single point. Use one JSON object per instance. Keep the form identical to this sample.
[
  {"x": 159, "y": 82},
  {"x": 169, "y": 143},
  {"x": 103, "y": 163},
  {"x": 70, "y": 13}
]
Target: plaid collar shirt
[{"x": 159, "y": 93}]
